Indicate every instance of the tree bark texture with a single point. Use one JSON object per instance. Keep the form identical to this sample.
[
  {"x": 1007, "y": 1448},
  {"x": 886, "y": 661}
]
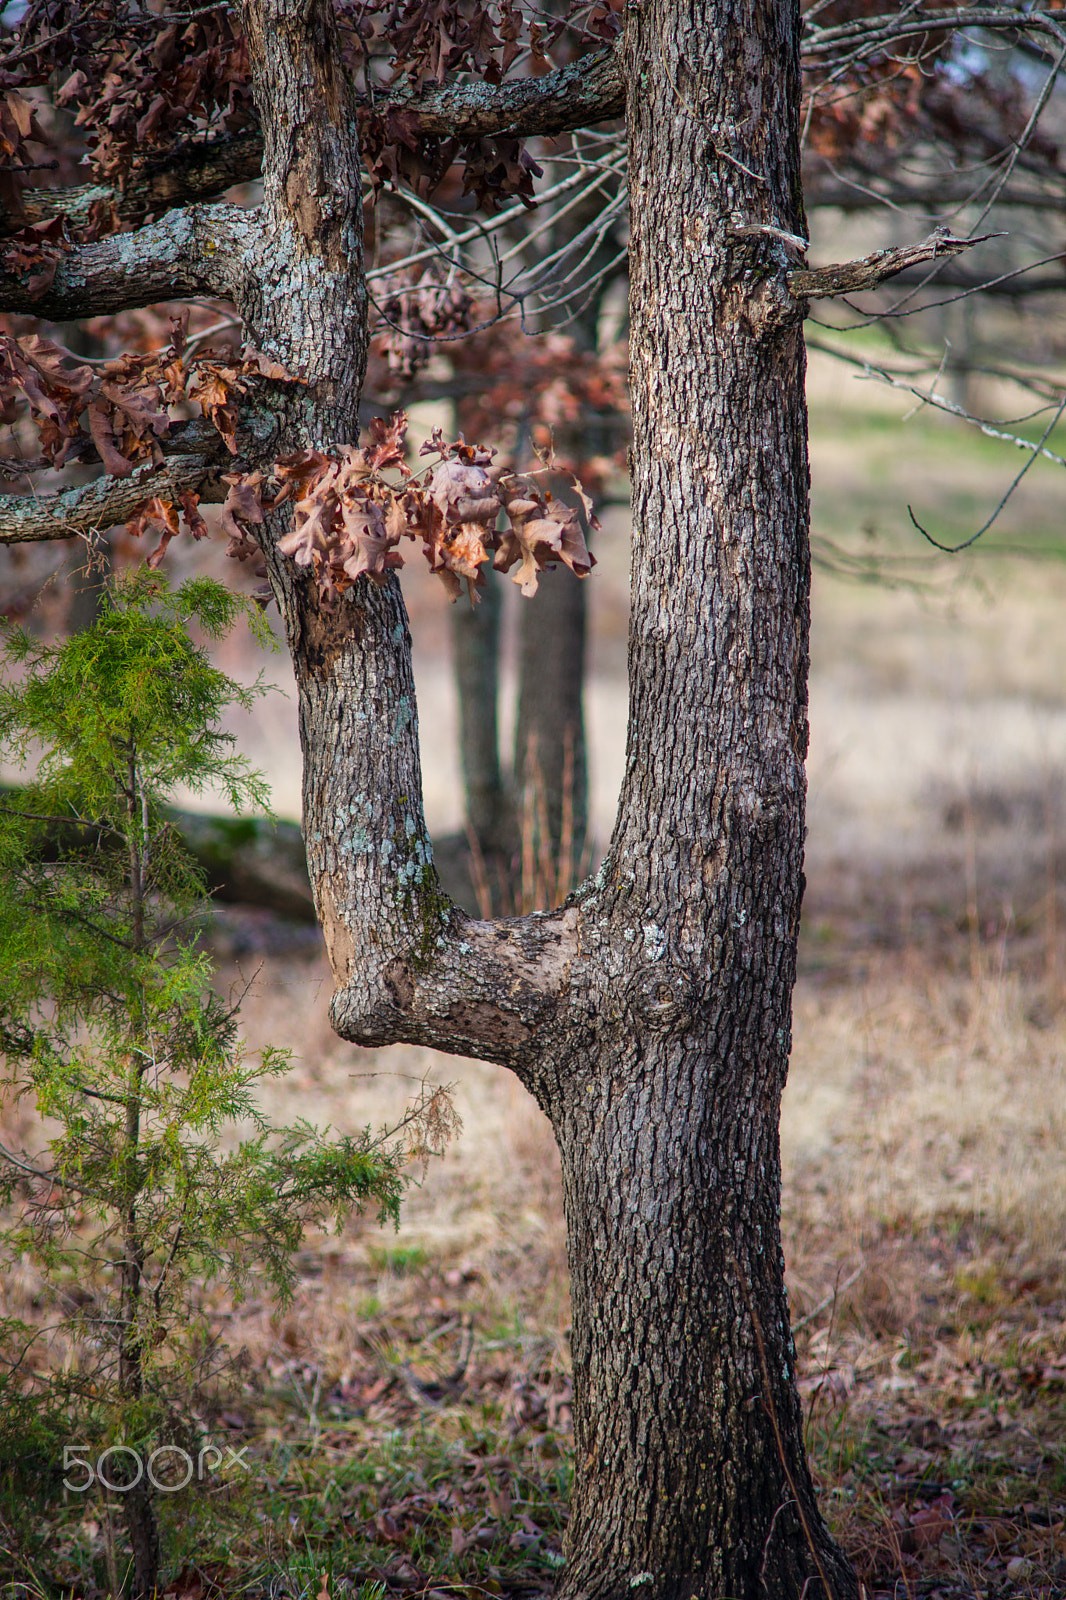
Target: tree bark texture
[
  {"x": 688, "y": 1437},
  {"x": 550, "y": 756},
  {"x": 650, "y": 1015}
]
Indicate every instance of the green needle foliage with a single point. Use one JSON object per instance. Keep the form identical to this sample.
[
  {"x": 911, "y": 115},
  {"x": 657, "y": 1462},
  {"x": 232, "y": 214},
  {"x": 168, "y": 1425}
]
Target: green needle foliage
[{"x": 131, "y": 1203}]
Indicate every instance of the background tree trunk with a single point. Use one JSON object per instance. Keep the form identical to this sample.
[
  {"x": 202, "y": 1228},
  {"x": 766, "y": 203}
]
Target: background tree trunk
[{"x": 550, "y": 756}]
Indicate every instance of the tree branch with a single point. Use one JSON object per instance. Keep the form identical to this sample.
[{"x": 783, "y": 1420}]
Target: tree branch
[
  {"x": 869, "y": 33},
  {"x": 486, "y": 989},
  {"x": 1021, "y": 284},
  {"x": 585, "y": 92},
  {"x": 189, "y": 173},
  {"x": 192, "y": 252},
  {"x": 28, "y": 518},
  {"x": 935, "y": 194},
  {"x": 853, "y": 277}
]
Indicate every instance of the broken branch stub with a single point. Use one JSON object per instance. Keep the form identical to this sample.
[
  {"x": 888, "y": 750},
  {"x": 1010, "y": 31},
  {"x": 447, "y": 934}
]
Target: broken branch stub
[{"x": 853, "y": 277}]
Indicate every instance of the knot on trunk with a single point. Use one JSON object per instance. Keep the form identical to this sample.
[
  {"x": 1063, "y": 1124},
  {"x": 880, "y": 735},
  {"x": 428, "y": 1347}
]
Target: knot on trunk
[{"x": 661, "y": 997}]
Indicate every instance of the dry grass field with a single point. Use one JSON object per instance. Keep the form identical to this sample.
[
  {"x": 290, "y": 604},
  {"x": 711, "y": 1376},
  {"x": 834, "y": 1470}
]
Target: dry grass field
[{"x": 409, "y": 1415}]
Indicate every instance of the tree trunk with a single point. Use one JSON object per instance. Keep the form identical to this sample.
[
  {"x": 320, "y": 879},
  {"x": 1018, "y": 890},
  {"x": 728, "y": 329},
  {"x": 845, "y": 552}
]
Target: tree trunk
[
  {"x": 550, "y": 749},
  {"x": 650, "y": 1016},
  {"x": 476, "y": 641},
  {"x": 550, "y": 761}
]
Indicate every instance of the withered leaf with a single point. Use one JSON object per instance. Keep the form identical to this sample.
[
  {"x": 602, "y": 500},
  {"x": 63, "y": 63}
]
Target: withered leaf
[{"x": 190, "y": 502}]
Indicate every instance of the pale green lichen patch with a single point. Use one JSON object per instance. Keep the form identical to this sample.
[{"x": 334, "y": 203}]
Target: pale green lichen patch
[{"x": 404, "y": 717}]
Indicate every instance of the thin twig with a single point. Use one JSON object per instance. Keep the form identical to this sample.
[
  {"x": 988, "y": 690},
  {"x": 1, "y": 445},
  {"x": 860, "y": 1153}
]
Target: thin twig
[
  {"x": 771, "y": 1412},
  {"x": 829, "y": 1300},
  {"x": 953, "y": 550}
]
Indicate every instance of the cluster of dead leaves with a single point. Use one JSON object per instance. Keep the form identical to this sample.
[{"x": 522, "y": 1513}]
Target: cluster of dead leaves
[
  {"x": 349, "y": 519},
  {"x": 427, "y": 41},
  {"x": 123, "y": 402},
  {"x": 19, "y": 128},
  {"x": 572, "y": 401},
  {"x": 34, "y": 252},
  {"x": 880, "y": 103},
  {"x": 137, "y": 92},
  {"x": 414, "y": 315},
  {"x": 396, "y": 153},
  {"x": 137, "y": 84},
  {"x": 120, "y": 410}
]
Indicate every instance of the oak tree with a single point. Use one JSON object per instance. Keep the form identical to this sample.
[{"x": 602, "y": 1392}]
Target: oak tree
[{"x": 650, "y": 1014}]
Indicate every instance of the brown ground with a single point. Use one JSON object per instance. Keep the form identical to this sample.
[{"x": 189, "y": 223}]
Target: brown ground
[{"x": 925, "y": 1193}]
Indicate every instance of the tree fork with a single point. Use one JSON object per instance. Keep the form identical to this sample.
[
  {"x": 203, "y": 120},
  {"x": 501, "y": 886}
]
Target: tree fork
[{"x": 650, "y": 1016}]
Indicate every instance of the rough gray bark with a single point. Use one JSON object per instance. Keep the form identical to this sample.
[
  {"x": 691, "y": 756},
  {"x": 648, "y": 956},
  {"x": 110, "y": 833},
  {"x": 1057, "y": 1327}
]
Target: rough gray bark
[
  {"x": 196, "y": 251},
  {"x": 26, "y": 519},
  {"x": 683, "y": 1359},
  {"x": 651, "y": 1015}
]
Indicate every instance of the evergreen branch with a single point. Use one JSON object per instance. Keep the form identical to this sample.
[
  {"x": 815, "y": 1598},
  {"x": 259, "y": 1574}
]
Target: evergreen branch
[
  {"x": 35, "y": 1172},
  {"x": 99, "y": 1094},
  {"x": 66, "y": 913},
  {"x": 60, "y": 822},
  {"x": 157, "y": 1292}
]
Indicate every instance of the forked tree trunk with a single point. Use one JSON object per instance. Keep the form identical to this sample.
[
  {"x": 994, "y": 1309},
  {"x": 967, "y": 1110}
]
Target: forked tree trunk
[{"x": 650, "y": 1016}]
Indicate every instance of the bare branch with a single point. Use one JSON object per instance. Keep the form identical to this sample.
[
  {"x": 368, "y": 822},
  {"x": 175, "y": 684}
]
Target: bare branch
[
  {"x": 933, "y": 193},
  {"x": 852, "y": 277},
  {"x": 905, "y": 378},
  {"x": 1037, "y": 450},
  {"x": 38, "y": 1172},
  {"x": 912, "y": 22},
  {"x": 32, "y": 518},
  {"x": 192, "y": 252},
  {"x": 1020, "y": 284}
]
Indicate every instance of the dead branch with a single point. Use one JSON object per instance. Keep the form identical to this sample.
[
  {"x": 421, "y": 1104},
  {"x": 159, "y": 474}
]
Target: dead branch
[
  {"x": 25, "y": 519},
  {"x": 853, "y": 277}
]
